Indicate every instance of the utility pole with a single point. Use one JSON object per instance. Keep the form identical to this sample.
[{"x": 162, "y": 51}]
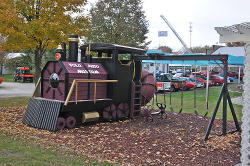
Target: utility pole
[{"x": 190, "y": 30}]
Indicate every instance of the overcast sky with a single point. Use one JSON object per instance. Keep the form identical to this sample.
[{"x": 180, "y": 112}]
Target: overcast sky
[{"x": 204, "y": 15}]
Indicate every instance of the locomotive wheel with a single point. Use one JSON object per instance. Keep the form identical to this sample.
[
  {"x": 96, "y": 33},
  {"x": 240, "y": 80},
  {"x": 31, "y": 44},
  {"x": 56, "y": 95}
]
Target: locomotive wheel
[
  {"x": 122, "y": 110},
  {"x": 113, "y": 112},
  {"x": 109, "y": 112},
  {"x": 60, "y": 125},
  {"x": 71, "y": 122}
]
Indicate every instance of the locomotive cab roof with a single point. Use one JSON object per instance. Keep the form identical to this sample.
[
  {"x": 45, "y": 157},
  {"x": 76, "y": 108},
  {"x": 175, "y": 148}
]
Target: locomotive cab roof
[{"x": 108, "y": 48}]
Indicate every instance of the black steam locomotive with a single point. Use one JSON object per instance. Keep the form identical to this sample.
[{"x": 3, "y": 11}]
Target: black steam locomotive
[{"x": 79, "y": 90}]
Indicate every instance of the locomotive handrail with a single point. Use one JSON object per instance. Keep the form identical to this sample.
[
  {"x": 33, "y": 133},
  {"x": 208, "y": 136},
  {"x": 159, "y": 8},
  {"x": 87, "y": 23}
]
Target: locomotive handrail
[
  {"x": 37, "y": 84},
  {"x": 76, "y": 81}
]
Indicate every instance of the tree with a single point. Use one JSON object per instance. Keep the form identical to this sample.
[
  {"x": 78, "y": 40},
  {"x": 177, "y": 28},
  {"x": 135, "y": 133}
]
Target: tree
[
  {"x": 201, "y": 49},
  {"x": 235, "y": 44},
  {"x": 165, "y": 49},
  {"x": 2, "y": 54},
  {"x": 118, "y": 21},
  {"x": 39, "y": 25}
]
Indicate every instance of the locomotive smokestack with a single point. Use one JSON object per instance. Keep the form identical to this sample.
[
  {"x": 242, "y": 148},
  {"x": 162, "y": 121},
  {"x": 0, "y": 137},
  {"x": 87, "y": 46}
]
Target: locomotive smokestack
[
  {"x": 63, "y": 51},
  {"x": 73, "y": 48}
]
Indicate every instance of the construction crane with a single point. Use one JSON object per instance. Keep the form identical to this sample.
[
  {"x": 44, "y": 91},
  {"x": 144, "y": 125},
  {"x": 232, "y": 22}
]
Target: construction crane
[{"x": 185, "y": 48}]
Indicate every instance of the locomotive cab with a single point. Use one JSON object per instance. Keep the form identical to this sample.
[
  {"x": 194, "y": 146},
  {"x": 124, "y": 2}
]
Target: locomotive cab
[{"x": 118, "y": 62}]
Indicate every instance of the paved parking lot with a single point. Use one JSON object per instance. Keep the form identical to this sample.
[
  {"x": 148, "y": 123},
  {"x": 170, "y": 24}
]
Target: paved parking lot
[{"x": 13, "y": 89}]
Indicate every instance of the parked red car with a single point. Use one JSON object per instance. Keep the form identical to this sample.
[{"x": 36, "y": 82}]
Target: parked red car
[
  {"x": 1, "y": 80},
  {"x": 199, "y": 73},
  {"x": 216, "y": 79},
  {"x": 204, "y": 81},
  {"x": 232, "y": 74},
  {"x": 210, "y": 73},
  {"x": 187, "y": 83},
  {"x": 235, "y": 75}
]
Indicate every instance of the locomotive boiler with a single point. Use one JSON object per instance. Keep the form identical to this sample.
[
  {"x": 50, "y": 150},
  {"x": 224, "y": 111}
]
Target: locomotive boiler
[{"x": 77, "y": 90}]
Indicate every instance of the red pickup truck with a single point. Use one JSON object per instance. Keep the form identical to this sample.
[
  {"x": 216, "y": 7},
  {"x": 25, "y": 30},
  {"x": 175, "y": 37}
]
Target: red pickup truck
[{"x": 166, "y": 82}]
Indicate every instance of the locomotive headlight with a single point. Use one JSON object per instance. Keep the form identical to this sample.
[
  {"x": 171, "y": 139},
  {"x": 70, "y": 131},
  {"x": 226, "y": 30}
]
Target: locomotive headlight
[{"x": 54, "y": 80}]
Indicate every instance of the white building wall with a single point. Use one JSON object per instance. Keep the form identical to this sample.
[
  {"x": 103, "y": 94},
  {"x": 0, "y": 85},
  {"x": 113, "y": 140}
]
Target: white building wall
[
  {"x": 5, "y": 71},
  {"x": 159, "y": 67},
  {"x": 245, "y": 134}
]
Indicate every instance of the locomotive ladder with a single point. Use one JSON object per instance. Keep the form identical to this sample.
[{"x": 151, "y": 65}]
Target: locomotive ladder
[{"x": 135, "y": 104}]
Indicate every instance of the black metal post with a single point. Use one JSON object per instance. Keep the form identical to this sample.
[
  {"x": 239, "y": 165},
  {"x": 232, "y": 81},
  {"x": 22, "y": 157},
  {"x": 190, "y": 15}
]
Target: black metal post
[
  {"x": 83, "y": 55},
  {"x": 214, "y": 114},
  {"x": 88, "y": 58},
  {"x": 180, "y": 57},
  {"x": 137, "y": 68},
  {"x": 99, "y": 54},
  {"x": 224, "y": 116},
  {"x": 115, "y": 56}
]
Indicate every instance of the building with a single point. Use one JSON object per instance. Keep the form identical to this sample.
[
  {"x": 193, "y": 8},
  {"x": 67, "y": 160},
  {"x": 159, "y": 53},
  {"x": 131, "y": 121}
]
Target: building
[
  {"x": 238, "y": 52},
  {"x": 4, "y": 70}
]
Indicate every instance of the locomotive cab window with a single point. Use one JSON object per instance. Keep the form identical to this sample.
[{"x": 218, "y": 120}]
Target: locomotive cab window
[{"x": 125, "y": 59}]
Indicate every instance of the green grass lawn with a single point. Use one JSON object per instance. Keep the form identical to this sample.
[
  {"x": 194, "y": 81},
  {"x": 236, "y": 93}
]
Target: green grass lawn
[
  {"x": 14, "y": 151},
  {"x": 7, "y": 78},
  {"x": 188, "y": 102},
  {"x": 14, "y": 101}
]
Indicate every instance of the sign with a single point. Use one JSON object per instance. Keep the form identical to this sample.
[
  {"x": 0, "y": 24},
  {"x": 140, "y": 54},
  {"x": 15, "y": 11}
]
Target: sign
[
  {"x": 75, "y": 65},
  {"x": 162, "y": 33}
]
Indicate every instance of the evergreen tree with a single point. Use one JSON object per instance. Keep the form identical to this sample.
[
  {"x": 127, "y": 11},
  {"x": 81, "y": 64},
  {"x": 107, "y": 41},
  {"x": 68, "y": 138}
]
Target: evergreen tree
[
  {"x": 118, "y": 21},
  {"x": 201, "y": 49}
]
